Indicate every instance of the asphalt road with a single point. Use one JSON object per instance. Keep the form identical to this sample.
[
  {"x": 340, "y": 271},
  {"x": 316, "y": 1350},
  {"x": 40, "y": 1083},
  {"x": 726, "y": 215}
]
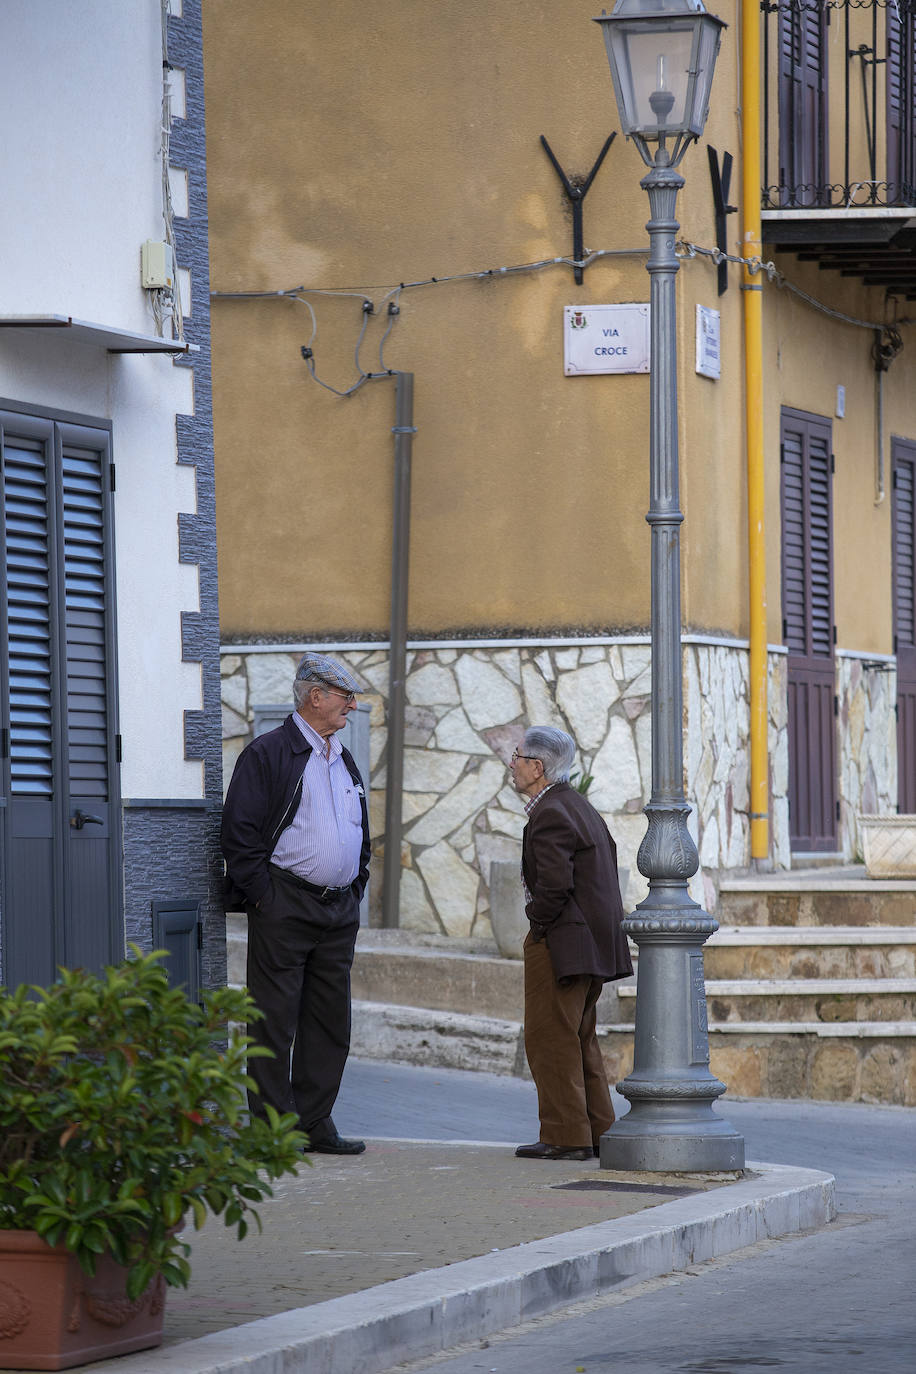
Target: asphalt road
[{"x": 838, "y": 1301}]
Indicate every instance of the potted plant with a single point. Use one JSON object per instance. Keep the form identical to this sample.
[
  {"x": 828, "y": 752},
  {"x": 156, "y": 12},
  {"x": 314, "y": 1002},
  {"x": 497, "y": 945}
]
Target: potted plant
[{"x": 121, "y": 1115}]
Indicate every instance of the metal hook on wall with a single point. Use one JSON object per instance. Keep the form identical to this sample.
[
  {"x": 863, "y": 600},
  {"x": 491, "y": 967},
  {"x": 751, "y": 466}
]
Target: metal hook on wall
[
  {"x": 720, "y": 184},
  {"x": 577, "y": 195}
]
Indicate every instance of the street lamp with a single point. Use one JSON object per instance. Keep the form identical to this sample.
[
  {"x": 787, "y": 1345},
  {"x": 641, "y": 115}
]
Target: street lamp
[{"x": 662, "y": 56}]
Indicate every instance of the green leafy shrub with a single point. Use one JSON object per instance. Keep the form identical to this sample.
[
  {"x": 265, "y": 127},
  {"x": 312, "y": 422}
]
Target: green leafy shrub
[
  {"x": 122, "y": 1112},
  {"x": 583, "y": 784}
]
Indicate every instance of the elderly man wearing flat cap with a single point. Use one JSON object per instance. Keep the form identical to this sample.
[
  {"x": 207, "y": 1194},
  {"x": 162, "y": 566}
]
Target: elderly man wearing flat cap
[{"x": 295, "y": 837}]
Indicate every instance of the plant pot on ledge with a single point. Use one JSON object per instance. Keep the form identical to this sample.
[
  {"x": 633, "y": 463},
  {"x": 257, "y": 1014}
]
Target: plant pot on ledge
[
  {"x": 53, "y": 1316},
  {"x": 121, "y": 1110},
  {"x": 889, "y": 844}
]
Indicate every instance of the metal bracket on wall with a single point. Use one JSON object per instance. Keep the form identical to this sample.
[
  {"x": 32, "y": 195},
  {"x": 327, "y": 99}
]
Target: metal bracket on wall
[
  {"x": 577, "y": 194},
  {"x": 720, "y": 184}
]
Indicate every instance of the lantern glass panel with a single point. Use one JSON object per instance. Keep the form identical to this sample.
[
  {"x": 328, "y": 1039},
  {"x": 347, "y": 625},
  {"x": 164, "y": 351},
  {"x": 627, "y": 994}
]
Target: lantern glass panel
[
  {"x": 658, "y": 70},
  {"x": 709, "y": 38}
]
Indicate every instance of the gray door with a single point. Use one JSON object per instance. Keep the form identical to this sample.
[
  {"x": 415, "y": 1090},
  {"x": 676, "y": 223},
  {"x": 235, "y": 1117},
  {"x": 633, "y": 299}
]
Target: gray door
[{"x": 61, "y": 831}]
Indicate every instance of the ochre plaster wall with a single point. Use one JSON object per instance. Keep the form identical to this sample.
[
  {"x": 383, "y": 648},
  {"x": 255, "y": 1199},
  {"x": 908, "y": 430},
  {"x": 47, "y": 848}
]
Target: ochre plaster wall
[
  {"x": 357, "y": 148},
  {"x": 812, "y": 354}
]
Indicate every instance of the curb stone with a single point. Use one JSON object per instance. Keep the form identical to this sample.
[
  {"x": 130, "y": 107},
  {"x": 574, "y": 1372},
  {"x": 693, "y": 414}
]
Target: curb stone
[{"x": 426, "y": 1313}]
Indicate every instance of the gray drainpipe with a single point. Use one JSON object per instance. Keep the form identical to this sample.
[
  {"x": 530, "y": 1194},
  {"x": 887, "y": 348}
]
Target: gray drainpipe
[{"x": 403, "y": 432}]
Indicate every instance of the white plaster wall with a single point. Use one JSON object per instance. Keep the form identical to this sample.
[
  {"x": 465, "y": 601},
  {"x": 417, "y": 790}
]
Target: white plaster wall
[
  {"x": 82, "y": 175},
  {"x": 80, "y": 109},
  {"x": 155, "y": 687}
]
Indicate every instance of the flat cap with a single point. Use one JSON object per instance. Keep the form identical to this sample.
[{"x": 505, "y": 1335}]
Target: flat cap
[{"x": 329, "y": 671}]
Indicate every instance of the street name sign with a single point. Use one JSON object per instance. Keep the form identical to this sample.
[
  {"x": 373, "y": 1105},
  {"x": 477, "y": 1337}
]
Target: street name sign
[
  {"x": 709, "y": 352},
  {"x": 605, "y": 338}
]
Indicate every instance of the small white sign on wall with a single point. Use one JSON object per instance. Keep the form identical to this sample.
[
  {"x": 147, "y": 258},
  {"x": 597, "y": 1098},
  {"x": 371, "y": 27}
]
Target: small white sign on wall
[
  {"x": 709, "y": 353},
  {"x": 605, "y": 338}
]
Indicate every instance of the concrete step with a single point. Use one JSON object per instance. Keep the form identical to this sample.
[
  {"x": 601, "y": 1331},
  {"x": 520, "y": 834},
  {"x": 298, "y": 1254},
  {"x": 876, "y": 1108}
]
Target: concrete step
[
  {"x": 392, "y": 967},
  {"x": 425, "y": 999},
  {"x": 859, "y": 1061},
  {"x": 816, "y": 897},
  {"x": 811, "y": 952},
  {"x": 389, "y": 967},
  {"x": 803, "y": 1000}
]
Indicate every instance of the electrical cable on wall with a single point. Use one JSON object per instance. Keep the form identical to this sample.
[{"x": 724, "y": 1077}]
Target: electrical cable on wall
[{"x": 686, "y": 250}]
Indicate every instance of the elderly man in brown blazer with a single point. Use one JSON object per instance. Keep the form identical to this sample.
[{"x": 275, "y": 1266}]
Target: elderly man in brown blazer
[{"x": 575, "y": 946}]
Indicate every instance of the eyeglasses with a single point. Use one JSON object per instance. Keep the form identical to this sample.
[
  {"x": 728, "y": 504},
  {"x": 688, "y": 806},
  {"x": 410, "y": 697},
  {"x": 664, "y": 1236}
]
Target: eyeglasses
[
  {"x": 349, "y": 697},
  {"x": 531, "y": 757}
]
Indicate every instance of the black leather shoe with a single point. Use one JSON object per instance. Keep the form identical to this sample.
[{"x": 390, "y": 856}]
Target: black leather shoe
[
  {"x": 542, "y": 1151},
  {"x": 335, "y": 1145}
]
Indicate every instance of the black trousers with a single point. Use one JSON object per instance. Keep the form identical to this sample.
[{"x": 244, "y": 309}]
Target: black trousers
[{"x": 299, "y": 955}]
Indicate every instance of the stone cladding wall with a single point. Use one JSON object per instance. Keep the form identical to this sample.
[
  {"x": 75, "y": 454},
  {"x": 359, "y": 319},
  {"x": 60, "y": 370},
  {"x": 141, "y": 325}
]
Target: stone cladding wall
[
  {"x": 466, "y": 711},
  {"x": 867, "y": 692}
]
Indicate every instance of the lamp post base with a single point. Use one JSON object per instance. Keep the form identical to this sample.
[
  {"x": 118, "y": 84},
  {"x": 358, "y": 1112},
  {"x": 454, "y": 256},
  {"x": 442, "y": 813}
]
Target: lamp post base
[{"x": 672, "y": 1138}]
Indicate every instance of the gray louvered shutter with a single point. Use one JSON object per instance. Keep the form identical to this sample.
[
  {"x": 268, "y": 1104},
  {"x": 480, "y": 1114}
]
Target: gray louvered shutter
[
  {"x": 61, "y": 876},
  {"x": 29, "y": 619},
  {"x": 82, "y": 478}
]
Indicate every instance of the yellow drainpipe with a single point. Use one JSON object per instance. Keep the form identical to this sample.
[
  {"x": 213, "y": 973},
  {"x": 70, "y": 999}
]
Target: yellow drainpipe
[{"x": 752, "y": 289}]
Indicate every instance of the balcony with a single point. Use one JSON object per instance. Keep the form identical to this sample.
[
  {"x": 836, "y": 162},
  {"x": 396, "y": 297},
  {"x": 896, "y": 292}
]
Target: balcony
[{"x": 840, "y": 137}]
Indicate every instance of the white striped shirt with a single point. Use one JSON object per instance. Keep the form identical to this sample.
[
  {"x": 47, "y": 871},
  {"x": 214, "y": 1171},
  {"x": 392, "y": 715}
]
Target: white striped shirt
[{"x": 324, "y": 841}]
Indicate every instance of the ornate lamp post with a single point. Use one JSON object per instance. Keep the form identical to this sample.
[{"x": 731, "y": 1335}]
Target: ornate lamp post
[{"x": 662, "y": 55}]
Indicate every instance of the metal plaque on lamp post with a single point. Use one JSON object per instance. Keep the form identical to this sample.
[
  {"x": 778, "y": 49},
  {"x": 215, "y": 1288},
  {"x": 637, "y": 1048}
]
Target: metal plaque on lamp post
[{"x": 662, "y": 55}]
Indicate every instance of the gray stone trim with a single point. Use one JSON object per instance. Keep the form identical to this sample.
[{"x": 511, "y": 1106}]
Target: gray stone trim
[
  {"x": 172, "y": 855},
  {"x": 191, "y": 864},
  {"x": 550, "y": 642}
]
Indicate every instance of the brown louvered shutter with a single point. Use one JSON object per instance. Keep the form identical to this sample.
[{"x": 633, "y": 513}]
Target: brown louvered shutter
[
  {"x": 807, "y": 582},
  {"x": 901, "y": 103},
  {"x": 802, "y": 103},
  {"x": 903, "y": 461}
]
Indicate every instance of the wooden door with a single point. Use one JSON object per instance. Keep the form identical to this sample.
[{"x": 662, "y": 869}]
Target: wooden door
[
  {"x": 903, "y": 462},
  {"x": 901, "y": 103},
  {"x": 802, "y": 105},
  {"x": 807, "y": 598}
]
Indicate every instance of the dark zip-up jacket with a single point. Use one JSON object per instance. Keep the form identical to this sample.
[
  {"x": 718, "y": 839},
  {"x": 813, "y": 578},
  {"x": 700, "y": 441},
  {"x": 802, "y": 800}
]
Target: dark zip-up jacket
[{"x": 262, "y": 801}]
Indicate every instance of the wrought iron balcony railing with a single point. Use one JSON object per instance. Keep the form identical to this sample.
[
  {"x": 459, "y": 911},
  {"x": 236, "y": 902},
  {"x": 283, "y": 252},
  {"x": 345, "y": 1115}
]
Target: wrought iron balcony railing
[{"x": 839, "y": 104}]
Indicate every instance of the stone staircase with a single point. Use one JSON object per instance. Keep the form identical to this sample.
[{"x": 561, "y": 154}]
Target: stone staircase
[
  {"x": 810, "y": 983},
  {"x": 811, "y": 986}
]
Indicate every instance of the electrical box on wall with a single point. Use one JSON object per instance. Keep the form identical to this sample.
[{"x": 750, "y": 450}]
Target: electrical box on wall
[{"x": 157, "y": 266}]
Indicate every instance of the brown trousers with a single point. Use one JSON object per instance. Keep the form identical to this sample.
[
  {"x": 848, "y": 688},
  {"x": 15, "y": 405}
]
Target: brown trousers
[{"x": 561, "y": 1043}]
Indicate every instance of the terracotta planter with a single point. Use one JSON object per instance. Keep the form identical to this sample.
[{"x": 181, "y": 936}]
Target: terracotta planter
[{"x": 53, "y": 1316}]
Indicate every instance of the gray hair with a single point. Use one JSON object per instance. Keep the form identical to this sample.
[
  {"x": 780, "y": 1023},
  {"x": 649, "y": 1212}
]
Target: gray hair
[
  {"x": 554, "y": 748},
  {"x": 303, "y": 685}
]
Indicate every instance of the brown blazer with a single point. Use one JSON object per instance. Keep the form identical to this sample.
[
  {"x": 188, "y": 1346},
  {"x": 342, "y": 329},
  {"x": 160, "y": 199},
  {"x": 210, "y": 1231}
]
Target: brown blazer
[{"x": 569, "y": 862}]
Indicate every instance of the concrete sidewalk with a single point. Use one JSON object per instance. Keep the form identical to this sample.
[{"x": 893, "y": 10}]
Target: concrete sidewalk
[{"x": 415, "y": 1247}]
